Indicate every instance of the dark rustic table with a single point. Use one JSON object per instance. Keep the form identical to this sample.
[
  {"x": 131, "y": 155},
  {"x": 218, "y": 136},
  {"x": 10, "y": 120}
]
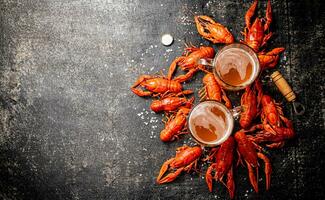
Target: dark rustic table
[{"x": 71, "y": 128}]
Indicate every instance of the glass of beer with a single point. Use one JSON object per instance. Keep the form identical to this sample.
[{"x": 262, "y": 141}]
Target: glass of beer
[
  {"x": 210, "y": 123},
  {"x": 235, "y": 66}
]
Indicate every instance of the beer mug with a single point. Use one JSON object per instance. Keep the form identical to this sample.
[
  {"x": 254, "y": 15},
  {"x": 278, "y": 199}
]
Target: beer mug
[
  {"x": 235, "y": 66},
  {"x": 210, "y": 123}
]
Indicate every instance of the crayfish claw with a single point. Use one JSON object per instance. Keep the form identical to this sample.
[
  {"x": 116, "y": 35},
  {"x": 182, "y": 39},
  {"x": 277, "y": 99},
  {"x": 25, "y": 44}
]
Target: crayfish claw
[
  {"x": 268, "y": 16},
  {"x": 163, "y": 170},
  {"x": 252, "y": 178},
  {"x": 141, "y": 93},
  {"x": 267, "y": 170},
  {"x": 170, "y": 177},
  {"x": 231, "y": 183},
  {"x": 209, "y": 177},
  {"x": 250, "y": 13}
]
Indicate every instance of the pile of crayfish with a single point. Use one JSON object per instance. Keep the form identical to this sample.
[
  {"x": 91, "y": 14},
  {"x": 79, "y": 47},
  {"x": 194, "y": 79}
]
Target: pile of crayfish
[{"x": 262, "y": 121}]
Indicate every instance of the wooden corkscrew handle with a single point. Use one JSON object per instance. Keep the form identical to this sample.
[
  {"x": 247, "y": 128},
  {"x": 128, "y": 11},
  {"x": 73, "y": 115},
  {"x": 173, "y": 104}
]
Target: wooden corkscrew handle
[
  {"x": 287, "y": 92},
  {"x": 283, "y": 86}
]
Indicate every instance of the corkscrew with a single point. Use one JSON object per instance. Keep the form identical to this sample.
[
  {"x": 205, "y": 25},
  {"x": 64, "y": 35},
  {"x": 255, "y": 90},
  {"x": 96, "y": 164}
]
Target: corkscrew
[{"x": 287, "y": 92}]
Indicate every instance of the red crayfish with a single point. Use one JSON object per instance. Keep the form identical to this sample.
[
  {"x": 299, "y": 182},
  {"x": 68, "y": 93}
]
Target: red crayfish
[
  {"x": 222, "y": 165},
  {"x": 189, "y": 62},
  {"x": 175, "y": 125},
  {"x": 255, "y": 34},
  {"x": 273, "y": 136},
  {"x": 270, "y": 59},
  {"x": 212, "y": 90},
  {"x": 247, "y": 152},
  {"x": 275, "y": 128},
  {"x": 212, "y": 30},
  {"x": 186, "y": 158},
  {"x": 250, "y": 104},
  {"x": 171, "y": 102},
  {"x": 156, "y": 85},
  {"x": 271, "y": 111}
]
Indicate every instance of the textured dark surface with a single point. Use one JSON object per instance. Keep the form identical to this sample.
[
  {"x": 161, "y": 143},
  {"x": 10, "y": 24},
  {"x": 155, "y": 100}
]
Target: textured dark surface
[{"x": 71, "y": 128}]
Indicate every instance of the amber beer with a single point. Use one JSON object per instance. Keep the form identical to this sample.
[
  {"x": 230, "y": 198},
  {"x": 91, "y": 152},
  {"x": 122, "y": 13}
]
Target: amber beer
[
  {"x": 210, "y": 123},
  {"x": 236, "y": 66}
]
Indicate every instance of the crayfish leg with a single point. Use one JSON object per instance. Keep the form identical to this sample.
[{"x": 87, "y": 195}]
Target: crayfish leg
[
  {"x": 190, "y": 49},
  {"x": 267, "y": 170},
  {"x": 226, "y": 99},
  {"x": 276, "y": 145},
  {"x": 182, "y": 148},
  {"x": 189, "y": 167},
  {"x": 203, "y": 94},
  {"x": 266, "y": 38},
  {"x": 186, "y": 92},
  {"x": 275, "y": 51}
]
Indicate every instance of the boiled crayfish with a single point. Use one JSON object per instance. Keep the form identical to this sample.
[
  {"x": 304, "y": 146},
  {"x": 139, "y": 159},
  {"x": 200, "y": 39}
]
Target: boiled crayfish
[
  {"x": 171, "y": 102},
  {"x": 250, "y": 101},
  {"x": 271, "y": 111},
  {"x": 212, "y": 90},
  {"x": 185, "y": 160},
  {"x": 270, "y": 59},
  {"x": 213, "y": 31},
  {"x": 156, "y": 85},
  {"x": 274, "y": 137},
  {"x": 175, "y": 125},
  {"x": 255, "y": 35},
  {"x": 248, "y": 153},
  {"x": 189, "y": 62},
  {"x": 275, "y": 128},
  {"x": 222, "y": 165}
]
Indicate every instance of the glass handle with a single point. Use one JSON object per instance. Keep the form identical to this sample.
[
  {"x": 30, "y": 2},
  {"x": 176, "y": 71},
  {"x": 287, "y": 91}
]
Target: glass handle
[
  {"x": 206, "y": 62},
  {"x": 236, "y": 112}
]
